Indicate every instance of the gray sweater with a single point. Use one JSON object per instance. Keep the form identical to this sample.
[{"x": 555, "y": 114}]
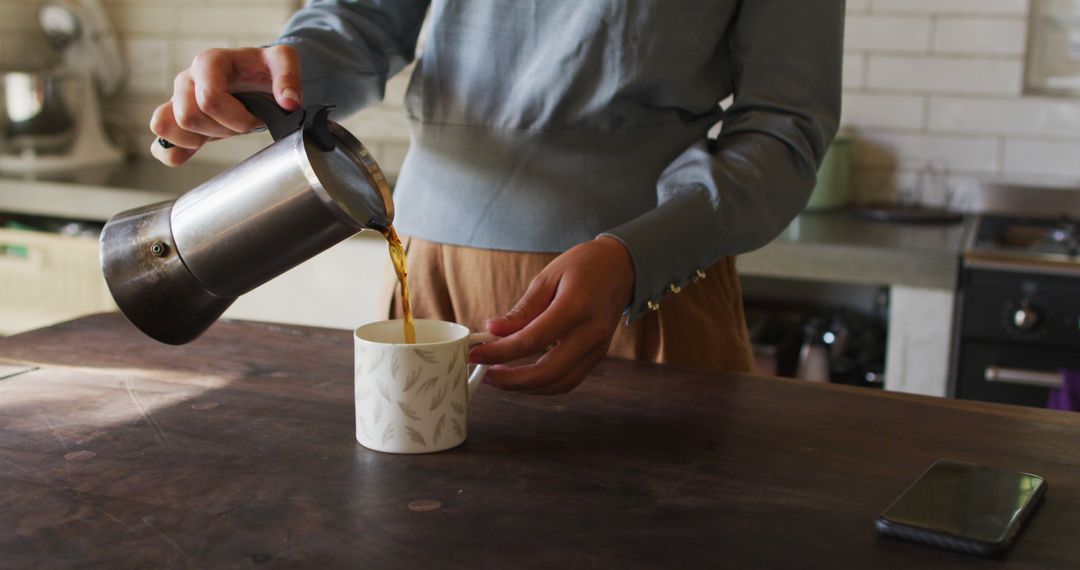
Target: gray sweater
[{"x": 540, "y": 124}]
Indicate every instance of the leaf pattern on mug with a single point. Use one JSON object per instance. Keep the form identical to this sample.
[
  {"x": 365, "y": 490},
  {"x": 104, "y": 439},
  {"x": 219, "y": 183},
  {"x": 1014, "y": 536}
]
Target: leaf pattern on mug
[
  {"x": 387, "y": 433},
  {"x": 457, "y": 428},
  {"x": 427, "y": 385},
  {"x": 438, "y": 429},
  {"x": 456, "y": 380},
  {"x": 453, "y": 361},
  {"x": 460, "y": 409},
  {"x": 395, "y": 364},
  {"x": 439, "y": 397},
  {"x": 364, "y": 428},
  {"x": 363, "y": 395},
  {"x": 425, "y": 355},
  {"x": 411, "y": 381},
  {"x": 415, "y": 436},
  {"x": 409, "y": 413},
  {"x": 378, "y": 411},
  {"x": 377, "y": 362},
  {"x": 382, "y": 389}
]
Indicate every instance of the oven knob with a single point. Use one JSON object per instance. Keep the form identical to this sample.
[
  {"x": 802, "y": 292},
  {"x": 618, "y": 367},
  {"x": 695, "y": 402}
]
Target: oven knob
[{"x": 1025, "y": 318}]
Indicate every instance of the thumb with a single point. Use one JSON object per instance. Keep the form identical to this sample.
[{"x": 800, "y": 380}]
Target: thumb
[
  {"x": 284, "y": 65},
  {"x": 535, "y": 300}
]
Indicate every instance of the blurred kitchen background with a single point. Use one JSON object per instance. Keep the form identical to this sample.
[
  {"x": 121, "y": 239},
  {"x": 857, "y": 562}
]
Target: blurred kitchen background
[
  {"x": 952, "y": 109},
  {"x": 926, "y": 82}
]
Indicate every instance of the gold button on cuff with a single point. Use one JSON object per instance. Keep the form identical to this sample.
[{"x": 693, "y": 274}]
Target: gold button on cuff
[
  {"x": 652, "y": 305},
  {"x": 674, "y": 289},
  {"x": 699, "y": 274}
]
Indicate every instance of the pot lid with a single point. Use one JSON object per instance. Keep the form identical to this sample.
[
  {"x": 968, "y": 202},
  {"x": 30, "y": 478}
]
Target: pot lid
[
  {"x": 349, "y": 175},
  {"x": 341, "y": 167}
]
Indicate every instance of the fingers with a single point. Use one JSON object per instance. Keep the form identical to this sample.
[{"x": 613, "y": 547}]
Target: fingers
[
  {"x": 212, "y": 75},
  {"x": 557, "y": 372},
  {"x": 284, "y": 65},
  {"x": 202, "y": 107},
  {"x": 164, "y": 125},
  {"x": 575, "y": 304},
  {"x": 175, "y": 156},
  {"x": 536, "y": 299},
  {"x": 185, "y": 143},
  {"x": 550, "y": 325},
  {"x": 187, "y": 114},
  {"x": 572, "y": 378}
]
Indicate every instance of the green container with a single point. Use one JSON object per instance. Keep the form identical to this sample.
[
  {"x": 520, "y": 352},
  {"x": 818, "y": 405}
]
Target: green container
[{"x": 833, "y": 189}]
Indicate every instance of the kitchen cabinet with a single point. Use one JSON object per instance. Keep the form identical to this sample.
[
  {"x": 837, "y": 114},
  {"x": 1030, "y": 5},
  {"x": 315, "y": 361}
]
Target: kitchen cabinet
[
  {"x": 920, "y": 329},
  {"x": 47, "y": 278},
  {"x": 339, "y": 288},
  {"x": 919, "y": 265}
]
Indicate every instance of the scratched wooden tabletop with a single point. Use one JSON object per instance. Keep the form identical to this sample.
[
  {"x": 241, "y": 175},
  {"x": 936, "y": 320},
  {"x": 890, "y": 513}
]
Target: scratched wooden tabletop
[{"x": 238, "y": 451}]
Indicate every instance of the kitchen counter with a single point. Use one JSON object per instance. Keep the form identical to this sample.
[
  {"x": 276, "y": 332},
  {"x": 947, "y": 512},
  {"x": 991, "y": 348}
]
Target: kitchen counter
[
  {"x": 841, "y": 247},
  {"x": 822, "y": 246},
  {"x": 239, "y": 450},
  {"x": 919, "y": 263},
  {"x": 95, "y": 194}
]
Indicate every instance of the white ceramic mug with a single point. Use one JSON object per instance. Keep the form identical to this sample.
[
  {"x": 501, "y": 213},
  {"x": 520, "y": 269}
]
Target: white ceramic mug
[{"x": 414, "y": 398}]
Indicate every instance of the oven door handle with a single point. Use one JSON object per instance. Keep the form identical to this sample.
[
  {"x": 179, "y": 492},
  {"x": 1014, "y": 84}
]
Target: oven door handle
[{"x": 1023, "y": 377}]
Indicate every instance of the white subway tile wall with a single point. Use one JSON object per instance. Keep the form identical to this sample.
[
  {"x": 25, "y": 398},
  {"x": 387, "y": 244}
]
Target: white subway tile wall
[
  {"x": 979, "y": 36},
  {"x": 941, "y": 90},
  {"x": 928, "y": 84},
  {"x": 160, "y": 38},
  {"x": 876, "y": 110}
]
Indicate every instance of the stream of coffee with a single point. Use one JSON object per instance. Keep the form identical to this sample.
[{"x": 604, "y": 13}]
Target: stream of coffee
[{"x": 397, "y": 256}]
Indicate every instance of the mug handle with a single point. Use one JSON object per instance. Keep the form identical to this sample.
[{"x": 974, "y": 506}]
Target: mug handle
[{"x": 479, "y": 370}]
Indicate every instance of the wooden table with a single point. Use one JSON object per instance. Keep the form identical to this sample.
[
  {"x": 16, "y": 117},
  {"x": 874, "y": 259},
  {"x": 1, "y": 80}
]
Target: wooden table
[{"x": 237, "y": 450}]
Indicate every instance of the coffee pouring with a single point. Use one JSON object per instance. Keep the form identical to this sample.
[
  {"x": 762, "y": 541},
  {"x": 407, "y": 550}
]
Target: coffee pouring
[{"x": 174, "y": 267}]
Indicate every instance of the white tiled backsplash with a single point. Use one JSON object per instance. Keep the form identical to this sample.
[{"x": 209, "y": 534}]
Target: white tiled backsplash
[
  {"x": 927, "y": 82},
  {"x": 161, "y": 37},
  {"x": 936, "y": 86}
]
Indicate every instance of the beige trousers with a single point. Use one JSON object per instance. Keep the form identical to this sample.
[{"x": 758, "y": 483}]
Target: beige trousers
[{"x": 702, "y": 326}]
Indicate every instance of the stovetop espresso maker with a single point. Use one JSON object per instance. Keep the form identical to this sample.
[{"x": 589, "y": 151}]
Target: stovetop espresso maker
[{"x": 174, "y": 267}]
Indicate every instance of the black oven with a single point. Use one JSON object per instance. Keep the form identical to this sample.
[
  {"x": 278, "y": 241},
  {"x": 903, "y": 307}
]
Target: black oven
[
  {"x": 1017, "y": 325},
  {"x": 1017, "y": 332}
]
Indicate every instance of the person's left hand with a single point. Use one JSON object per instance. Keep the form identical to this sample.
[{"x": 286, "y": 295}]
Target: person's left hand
[{"x": 573, "y": 306}]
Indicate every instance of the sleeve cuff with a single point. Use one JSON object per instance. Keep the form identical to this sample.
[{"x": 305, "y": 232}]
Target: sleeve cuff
[{"x": 668, "y": 247}]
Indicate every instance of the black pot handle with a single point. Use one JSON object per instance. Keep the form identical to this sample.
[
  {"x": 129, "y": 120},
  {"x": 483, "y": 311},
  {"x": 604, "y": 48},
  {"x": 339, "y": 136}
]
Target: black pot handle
[
  {"x": 279, "y": 122},
  {"x": 282, "y": 123}
]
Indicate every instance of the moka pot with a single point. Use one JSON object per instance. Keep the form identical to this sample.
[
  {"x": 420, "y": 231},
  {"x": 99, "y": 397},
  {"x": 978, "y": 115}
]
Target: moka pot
[{"x": 174, "y": 267}]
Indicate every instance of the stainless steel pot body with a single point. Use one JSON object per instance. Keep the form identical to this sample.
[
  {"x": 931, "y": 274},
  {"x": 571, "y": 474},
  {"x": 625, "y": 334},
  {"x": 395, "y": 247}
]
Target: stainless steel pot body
[
  {"x": 258, "y": 219},
  {"x": 174, "y": 267}
]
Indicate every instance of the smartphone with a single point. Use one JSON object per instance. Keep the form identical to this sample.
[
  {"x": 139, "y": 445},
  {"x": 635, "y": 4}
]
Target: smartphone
[{"x": 960, "y": 506}]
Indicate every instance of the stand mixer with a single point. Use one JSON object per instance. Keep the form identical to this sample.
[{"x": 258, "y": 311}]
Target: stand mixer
[{"x": 50, "y": 120}]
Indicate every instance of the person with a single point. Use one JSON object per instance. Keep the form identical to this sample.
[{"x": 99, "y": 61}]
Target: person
[{"x": 561, "y": 174}]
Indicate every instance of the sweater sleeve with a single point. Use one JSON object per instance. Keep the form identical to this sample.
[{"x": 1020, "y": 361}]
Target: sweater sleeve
[
  {"x": 349, "y": 48},
  {"x": 739, "y": 194}
]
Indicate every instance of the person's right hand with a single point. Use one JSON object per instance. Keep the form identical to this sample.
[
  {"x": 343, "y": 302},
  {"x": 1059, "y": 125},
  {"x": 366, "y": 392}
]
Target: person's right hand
[{"x": 201, "y": 108}]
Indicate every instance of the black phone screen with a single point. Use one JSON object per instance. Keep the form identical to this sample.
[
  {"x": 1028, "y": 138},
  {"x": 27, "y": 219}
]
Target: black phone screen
[{"x": 965, "y": 501}]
